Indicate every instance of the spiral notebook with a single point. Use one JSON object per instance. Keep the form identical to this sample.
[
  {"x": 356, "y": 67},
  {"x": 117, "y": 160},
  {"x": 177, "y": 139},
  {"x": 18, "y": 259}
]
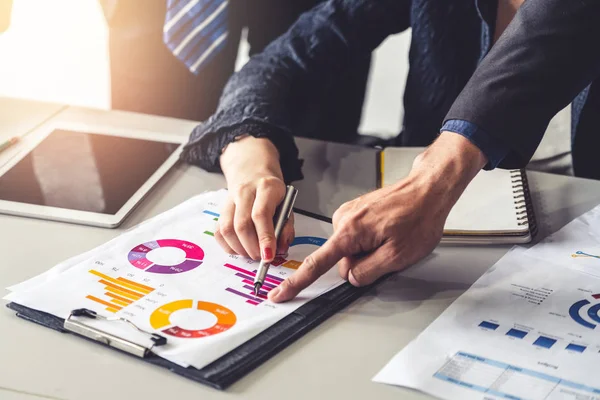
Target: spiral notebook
[{"x": 495, "y": 208}]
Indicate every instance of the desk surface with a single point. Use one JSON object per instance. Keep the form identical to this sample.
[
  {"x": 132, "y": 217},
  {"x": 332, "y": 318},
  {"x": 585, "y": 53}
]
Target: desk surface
[{"x": 337, "y": 359}]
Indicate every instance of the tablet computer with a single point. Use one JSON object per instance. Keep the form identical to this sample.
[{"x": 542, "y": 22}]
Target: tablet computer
[{"x": 84, "y": 174}]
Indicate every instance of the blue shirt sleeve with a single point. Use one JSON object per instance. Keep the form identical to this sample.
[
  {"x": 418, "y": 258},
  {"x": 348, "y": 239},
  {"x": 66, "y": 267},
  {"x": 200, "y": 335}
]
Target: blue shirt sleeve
[{"x": 494, "y": 150}]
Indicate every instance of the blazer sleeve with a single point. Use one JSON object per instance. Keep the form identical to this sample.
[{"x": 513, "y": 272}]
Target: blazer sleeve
[
  {"x": 270, "y": 92},
  {"x": 546, "y": 56}
]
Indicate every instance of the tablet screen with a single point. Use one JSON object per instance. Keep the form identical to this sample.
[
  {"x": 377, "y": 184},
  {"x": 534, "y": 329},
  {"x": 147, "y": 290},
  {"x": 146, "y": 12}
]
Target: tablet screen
[{"x": 84, "y": 171}]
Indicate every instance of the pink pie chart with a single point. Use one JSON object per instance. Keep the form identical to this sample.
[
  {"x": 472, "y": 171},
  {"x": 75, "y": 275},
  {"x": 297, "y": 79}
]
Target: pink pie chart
[{"x": 138, "y": 256}]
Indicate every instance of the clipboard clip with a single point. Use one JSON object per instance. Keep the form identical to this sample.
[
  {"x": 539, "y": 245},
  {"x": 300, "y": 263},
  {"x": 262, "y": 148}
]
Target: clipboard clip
[{"x": 73, "y": 325}]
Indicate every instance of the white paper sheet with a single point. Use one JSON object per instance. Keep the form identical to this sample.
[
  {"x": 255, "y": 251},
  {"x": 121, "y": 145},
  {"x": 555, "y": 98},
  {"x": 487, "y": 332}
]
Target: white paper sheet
[
  {"x": 169, "y": 276},
  {"x": 527, "y": 329},
  {"x": 576, "y": 245}
]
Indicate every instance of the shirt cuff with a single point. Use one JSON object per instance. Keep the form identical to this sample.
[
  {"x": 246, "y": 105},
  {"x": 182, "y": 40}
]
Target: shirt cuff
[
  {"x": 491, "y": 148},
  {"x": 205, "y": 147}
]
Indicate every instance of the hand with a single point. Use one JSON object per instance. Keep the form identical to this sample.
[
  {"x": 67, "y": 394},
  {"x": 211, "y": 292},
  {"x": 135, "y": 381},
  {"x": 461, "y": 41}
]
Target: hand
[
  {"x": 391, "y": 228},
  {"x": 256, "y": 187}
]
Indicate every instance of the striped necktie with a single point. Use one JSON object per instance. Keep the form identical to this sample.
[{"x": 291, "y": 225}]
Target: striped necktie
[{"x": 195, "y": 30}]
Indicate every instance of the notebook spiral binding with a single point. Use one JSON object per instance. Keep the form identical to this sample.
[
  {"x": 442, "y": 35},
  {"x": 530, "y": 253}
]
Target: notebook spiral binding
[{"x": 523, "y": 203}]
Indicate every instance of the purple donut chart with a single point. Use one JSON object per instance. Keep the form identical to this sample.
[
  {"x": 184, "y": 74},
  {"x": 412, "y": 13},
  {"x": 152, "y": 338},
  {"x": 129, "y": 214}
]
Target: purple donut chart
[{"x": 193, "y": 256}]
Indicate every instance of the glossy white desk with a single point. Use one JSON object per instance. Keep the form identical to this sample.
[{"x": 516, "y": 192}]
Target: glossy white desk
[{"x": 335, "y": 360}]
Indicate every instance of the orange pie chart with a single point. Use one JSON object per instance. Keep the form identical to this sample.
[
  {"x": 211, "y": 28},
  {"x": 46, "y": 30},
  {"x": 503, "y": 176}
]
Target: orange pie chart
[{"x": 160, "y": 318}]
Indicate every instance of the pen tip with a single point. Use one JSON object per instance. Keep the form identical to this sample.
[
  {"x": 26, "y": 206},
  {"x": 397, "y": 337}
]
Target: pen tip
[{"x": 256, "y": 288}]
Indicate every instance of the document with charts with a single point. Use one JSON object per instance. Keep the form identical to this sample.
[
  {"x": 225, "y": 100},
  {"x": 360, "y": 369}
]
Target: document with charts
[
  {"x": 527, "y": 329},
  {"x": 576, "y": 245},
  {"x": 169, "y": 276}
]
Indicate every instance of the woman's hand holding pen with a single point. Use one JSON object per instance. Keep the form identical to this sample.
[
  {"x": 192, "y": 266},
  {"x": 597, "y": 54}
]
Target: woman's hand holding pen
[{"x": 256, "y": 187}]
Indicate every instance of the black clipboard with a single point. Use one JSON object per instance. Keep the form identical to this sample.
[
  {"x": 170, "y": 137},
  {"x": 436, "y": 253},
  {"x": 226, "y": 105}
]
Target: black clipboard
[{"x": 234, "y": 365}]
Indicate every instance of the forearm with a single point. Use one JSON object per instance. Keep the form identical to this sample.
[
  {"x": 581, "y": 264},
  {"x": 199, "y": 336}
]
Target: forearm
[{"x": 250, "y": 154}]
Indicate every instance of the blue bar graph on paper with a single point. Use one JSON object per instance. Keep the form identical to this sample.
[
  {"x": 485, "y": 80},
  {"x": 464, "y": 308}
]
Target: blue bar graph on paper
[
  {"x": 576, "y": 347},
  {"x": 544, "y": 341},
  {"x": 489, "y": 325},
  {"x": 516, "y": 333}
]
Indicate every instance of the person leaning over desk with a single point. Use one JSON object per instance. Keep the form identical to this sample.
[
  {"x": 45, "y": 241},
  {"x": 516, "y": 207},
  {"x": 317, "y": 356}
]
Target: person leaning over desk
[{"x": 492, "y": 103}]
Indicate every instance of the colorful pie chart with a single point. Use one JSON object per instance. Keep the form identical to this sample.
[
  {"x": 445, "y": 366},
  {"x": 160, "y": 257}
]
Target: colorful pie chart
[
  {"x": 297, "y": 249},
  {"x": 192, "y": 256},
  {"x": 160, "y": 319},
  {"x": 312, "y": 240}
]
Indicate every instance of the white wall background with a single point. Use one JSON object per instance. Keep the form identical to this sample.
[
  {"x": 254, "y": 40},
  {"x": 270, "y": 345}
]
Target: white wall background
[{"x": 56, "y": 50}]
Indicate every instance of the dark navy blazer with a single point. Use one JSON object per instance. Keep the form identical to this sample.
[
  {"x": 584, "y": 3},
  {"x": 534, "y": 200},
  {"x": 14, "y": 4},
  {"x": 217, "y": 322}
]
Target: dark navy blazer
[{"x": 502, "y": 97}]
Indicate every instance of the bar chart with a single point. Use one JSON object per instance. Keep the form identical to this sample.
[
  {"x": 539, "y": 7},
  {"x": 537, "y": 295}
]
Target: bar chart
[
  {"x": 120, "y": 292},
  {"x": 247, "y": 284},
  {"x": 578, "y": 348},
  {"x": 545, "y": 342},
  {"x": 488, "y": 325},
  {"x": 215, "y": 216},
  {"x": 516, "y": 333},
  {"x": 541, "y": 341}
]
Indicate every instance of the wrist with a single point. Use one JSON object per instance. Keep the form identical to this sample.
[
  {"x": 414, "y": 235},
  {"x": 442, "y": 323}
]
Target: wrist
[
  {"x": 250, "y": 155},
  {"x": 446, "y": 167}
]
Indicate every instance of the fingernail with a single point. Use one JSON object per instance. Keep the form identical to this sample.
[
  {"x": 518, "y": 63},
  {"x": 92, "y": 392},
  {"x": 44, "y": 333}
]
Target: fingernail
[{"x": 267, "y": 253}]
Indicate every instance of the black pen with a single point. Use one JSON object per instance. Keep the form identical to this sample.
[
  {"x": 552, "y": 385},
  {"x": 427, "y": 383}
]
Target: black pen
[{"x": 281, "y": 217}]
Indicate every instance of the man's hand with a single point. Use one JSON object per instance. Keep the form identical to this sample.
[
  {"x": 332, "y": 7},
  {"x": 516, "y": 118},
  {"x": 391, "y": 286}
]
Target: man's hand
[{"x": 391, "y": 228}]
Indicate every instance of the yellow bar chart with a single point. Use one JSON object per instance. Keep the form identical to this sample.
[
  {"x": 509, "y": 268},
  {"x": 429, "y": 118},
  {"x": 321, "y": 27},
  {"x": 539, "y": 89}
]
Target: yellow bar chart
[{"x": 120, "y": 292}]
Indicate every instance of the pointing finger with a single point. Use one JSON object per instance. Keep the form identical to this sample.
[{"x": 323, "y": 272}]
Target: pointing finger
[{"x": 312, "y": 268}]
